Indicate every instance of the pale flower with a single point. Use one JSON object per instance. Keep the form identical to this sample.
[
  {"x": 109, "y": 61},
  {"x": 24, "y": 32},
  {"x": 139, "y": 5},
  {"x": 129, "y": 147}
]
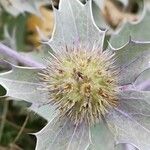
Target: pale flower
[{"x": 91, "y": 97}]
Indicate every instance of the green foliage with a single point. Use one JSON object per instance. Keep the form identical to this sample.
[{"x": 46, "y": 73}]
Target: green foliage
[
  {"x": 13, "y": 26},
  {"x": 15, "y": 117}
]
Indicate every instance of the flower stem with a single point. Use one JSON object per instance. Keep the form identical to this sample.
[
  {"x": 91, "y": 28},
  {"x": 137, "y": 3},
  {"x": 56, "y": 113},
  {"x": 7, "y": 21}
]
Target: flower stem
[
  {"x": 129, "y": 147},
  {"x": 8, "y": 52},
  {"x": 17, "y": 127},
  {"x": 21, "y": 130},
  {"x": 124, "y": 146},
  {"x": 4, "y": 114}
]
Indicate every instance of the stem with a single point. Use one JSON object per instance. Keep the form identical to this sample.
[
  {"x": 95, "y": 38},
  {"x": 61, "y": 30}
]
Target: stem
[
  {"x": 129, "y": 147},
  {"x": 21, "y": 130},
  {"x": 4, "y": 65},
  {"x": 4, "y": 114},
  {"x": 26, "y": 130},
  {"x": 8, "y": 52},
  {"x": 124, "y": 146}
]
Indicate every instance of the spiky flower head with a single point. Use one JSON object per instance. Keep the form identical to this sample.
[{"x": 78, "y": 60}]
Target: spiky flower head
[{"x": 82, "y": 83}]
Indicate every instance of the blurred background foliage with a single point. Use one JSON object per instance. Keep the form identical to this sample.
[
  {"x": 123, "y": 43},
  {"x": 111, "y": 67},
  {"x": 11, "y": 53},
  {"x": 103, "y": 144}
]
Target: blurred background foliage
[{"x": 23, "y": 31}]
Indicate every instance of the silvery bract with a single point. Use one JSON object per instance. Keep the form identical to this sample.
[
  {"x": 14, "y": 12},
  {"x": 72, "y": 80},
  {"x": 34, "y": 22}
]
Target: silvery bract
[
  {"x": 15, "y": 7},
  {"x": 126, "y": 122}
]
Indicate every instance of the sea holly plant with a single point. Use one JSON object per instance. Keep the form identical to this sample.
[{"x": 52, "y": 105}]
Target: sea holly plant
[
  {"x": 92, "y": 98},
  {"x": 15, "y": 7}
]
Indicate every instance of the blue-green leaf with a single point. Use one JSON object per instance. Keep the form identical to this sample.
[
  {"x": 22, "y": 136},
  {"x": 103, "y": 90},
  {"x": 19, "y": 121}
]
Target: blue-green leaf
[
  {"x": 61, "y": 134},
  {"x": 143, "y": 81},
  {"x": 22, "y": 84},
  {"x": 138, "y": 32},
  {"x": 132, "y": 55},
  {"x": 101, "y": 137},
  {"x": 128, "y": 130},
  {"x": 75, "y": 26}
]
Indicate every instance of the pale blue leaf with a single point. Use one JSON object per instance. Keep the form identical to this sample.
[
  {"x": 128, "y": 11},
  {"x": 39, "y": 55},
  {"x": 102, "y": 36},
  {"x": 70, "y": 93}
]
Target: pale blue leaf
[
  {"x": 135, "y": 103},
  {"x": 132, "y": 55},
  {"x": 143, "y": 81},
  {"x": 130, "y": 121},
  {"x": 138, "y": 32},
  {"x": 75, "y": 27},
  {"x": 23, "y": 84},
  {"x": 101, "y": 137},
  {"x": 47, "y": 111},
  {"x": 61, "y": 134}
]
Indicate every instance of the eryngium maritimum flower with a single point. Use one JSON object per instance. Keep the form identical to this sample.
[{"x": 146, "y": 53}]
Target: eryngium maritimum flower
[
  {"x": 92, "y": 98},
  {"x": 81, "y": 83}
]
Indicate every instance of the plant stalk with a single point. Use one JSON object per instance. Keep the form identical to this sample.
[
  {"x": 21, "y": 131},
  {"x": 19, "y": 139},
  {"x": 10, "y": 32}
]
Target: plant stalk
[
  {"x": 8, "y": 52},
  {"x": 4, "y": 114}
]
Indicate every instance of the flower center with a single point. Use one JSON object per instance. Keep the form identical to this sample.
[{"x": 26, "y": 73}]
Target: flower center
[{"x": 82, "y": 84}]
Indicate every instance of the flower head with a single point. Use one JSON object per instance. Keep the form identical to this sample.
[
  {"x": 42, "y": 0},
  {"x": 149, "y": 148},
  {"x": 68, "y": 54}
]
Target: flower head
[{"x": 82, "y": 83}]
